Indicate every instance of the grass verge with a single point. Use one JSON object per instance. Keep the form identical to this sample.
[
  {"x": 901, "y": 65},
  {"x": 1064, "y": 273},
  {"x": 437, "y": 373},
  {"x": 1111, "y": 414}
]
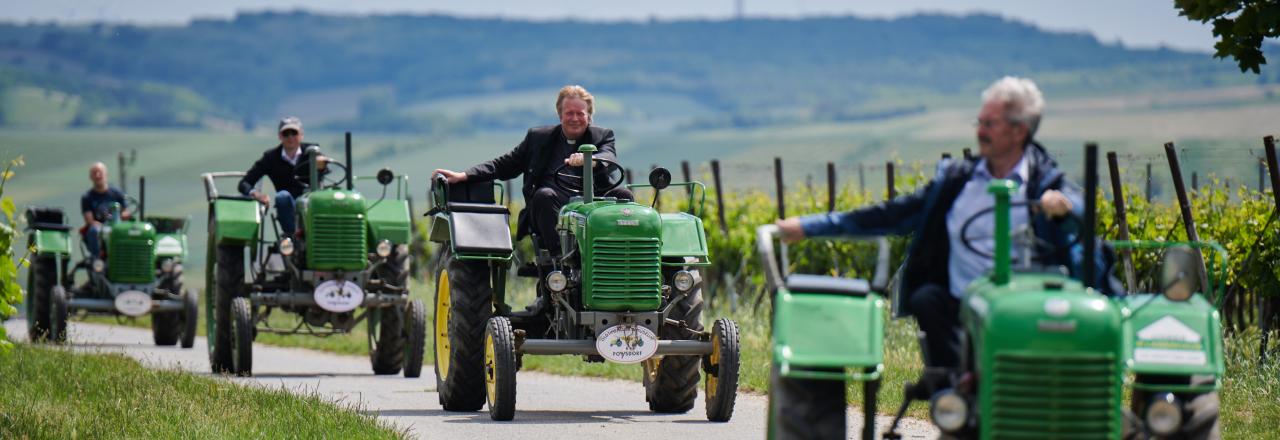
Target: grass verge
[{"x": 55, "y": 393}]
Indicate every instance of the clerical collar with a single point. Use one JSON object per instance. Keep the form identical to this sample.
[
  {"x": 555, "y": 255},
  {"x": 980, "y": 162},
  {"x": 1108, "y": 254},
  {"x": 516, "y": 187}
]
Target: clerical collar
[{"x": 572, "y": 141}]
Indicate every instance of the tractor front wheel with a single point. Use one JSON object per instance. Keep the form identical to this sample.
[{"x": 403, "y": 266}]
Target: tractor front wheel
[
  {"x": 190, "y": 317},
  {"x": 386, "y": 340},
  {"x": 500, "y": 369},
  {"x": 805, "y": 408},
  {"x": 58, "y": 319},
  {"x": 415, "y": 338},
  {"x": 242, "y": 337},
  {"x": 166, "y": 327},
  {"x": 722, "y": 371},
  {"x": 464, "y": 303}
]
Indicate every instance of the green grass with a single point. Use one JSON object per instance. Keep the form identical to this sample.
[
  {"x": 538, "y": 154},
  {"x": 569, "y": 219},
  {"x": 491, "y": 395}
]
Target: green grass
[
  {"x": 35, "y": 107},
  {"x": 54, "y": 393}
]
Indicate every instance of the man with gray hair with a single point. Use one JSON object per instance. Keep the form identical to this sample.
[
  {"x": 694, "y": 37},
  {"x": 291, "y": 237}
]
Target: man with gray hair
[
  {"x": 936, "y": 214},
  {"x": 95, "y": 206}
]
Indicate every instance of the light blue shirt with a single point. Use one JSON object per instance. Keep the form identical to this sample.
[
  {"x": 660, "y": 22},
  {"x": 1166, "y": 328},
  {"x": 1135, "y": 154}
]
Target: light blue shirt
[{"x": 964, "y": 265}]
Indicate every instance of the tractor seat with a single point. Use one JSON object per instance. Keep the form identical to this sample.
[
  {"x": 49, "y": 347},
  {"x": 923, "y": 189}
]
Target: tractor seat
[
  {"x": 50, "y": 226},
  {"x": 800, "y": 283},
  {"x": 479, "y": 208}
]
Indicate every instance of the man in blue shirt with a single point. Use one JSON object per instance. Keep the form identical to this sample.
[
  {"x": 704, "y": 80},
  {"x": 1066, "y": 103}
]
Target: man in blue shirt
[
  {"x": 938, "y": 266},
  {"x": 95, "y": 205}
]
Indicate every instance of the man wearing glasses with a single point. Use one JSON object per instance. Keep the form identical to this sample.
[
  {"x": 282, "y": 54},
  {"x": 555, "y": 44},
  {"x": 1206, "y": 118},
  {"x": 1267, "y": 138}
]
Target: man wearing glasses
[
  {"x": 282, "y": 165},
  {"x": 939, "y": 267}
]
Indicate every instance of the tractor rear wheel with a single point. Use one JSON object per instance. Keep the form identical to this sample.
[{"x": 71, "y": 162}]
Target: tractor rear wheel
[
  {"x": 671, "y": 382},
  {"x": 464, "y": 303},
  {"x": 500, "y": 369},
  {"x": 58, "y": 319},
  {"x": 242, "y": 337},
  {"x": 228, "y": 280},
  {"x": 805, "y": 408},
  {"x": 166, "y": 327},
  {"x": 41, "y": 277},
  {"x": 386, "y": 340},
  {"x": 722, "y": 371},
  {"x": 415, "y": 343},
  {"x": 190, "y": 317}
]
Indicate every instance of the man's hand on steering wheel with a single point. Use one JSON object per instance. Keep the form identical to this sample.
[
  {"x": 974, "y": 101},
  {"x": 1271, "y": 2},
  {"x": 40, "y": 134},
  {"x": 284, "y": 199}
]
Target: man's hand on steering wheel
[{"x": 1055, "y": 204}]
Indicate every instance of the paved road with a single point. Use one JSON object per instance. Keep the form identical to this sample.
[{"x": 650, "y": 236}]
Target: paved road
[{"x": 548, "y": 407}]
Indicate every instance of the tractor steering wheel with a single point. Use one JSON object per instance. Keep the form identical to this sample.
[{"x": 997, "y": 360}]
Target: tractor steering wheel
[
  {"x": 1038, "y": 245},
  {"x": 572, "y": 183},
  {"x": 302, "y": 172}
]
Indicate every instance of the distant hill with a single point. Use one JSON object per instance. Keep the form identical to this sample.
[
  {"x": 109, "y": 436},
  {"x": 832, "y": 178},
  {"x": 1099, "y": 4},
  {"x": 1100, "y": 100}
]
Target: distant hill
[{"x": 751, "y": 72}]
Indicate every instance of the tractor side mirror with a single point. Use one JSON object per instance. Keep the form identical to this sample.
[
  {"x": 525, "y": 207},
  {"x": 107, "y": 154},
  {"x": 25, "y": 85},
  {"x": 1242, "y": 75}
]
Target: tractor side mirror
[
  {"x": 1179, "y": 274},
  {"x": 660, "y": 178},
  {"x": 385, "y": 176}
]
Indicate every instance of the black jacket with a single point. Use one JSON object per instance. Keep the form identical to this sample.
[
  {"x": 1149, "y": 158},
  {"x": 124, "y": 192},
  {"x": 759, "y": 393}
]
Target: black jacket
[
  {"x": 924, "y": 213},
  {"x": 281, "y": 173},
  {"x": 533, "y": 154}
]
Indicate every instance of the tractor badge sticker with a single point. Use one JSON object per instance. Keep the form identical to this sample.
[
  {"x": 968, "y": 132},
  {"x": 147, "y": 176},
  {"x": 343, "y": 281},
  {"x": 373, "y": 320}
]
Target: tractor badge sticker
[{"x": 627, "y": 343}]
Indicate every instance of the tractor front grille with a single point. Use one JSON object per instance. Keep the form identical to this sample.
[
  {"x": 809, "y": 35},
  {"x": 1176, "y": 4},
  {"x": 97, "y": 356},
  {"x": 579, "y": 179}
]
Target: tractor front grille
[
  {"x": 625, "y": 273},
  {"x": 336, "y": 242},
  {"x": 1046, "y": 397},
  {"x": 131, "y": 261}
]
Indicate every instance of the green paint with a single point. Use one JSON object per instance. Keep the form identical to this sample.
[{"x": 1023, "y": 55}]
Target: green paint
[
  {"x": 235, "y": 221},
  {"x": 52, "y": 242},
  {"x": 620, "y": 247},
  {"x": 823, "y": 331},
  {"x": 683, "y": 236},
  {"x": 334, "y": 224},
  {"x": 388, "y": 220},
  {"x": 131, "y": 252},
  {"x": 1002, "y": 189}
]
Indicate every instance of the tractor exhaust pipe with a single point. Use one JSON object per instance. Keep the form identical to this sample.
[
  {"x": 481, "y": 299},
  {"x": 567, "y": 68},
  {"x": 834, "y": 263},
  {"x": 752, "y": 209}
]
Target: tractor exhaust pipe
[
  {"x": 142, "y": 198},
  {"x": 350, "y": 183},
  {"x": 588, "y": 178},
  {"x": 1090, "y": 213}
]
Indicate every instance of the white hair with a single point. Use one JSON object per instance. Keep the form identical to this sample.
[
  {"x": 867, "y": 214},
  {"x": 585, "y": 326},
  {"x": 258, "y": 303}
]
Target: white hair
[{"x": 1023, "y": 102}]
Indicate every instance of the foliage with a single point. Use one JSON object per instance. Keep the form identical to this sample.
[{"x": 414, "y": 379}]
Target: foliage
[
  {"x": 1239, "y": 25},
  {"x": 10, "y": 290},
  {"x": 755, "y": 71}
]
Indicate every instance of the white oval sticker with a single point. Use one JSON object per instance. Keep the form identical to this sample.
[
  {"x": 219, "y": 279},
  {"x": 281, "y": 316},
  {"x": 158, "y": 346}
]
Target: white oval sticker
[
  {"x": 339, "y": 297},
  {"x": 627, "y": 343},
  {"x": 133, "y": 303}
]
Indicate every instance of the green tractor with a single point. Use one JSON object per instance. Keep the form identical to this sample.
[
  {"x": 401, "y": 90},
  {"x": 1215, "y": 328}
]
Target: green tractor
[
  {"x": 625, "y": 288},
  {"x": 349, "y": 263},
  {"x": 1047, "y": 356},
  {"x": 826, "y": 331},
  {"x": 139, "y": 272}
]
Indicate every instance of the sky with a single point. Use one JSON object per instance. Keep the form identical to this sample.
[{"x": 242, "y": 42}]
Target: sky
[{"x": 1135, "y": 23}]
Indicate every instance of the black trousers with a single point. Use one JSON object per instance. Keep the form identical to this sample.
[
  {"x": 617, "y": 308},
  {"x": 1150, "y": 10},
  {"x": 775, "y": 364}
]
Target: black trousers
[
  {"x": 938, "y": 315},
  {"x": 545, "y": 207}
]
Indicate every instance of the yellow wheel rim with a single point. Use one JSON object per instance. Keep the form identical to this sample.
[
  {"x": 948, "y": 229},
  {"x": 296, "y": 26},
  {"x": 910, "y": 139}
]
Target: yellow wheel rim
[
  {"x": 490, "y": 372},
  {"x": 712, "y": 381},
  {"x": 442, "y": 323}
]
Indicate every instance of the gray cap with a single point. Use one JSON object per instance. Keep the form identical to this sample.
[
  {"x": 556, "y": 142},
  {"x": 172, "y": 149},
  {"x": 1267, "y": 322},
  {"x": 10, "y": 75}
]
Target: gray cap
[{"x": 289, "y": 122}]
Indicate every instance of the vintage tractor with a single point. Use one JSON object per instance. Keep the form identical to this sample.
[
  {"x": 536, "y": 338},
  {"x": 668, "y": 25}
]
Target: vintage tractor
[
  {"x": 1047, "y": 356},
  {"x": 348, "y": 263},
  {"x": 624, "y": 287},
  {"x": 139, "y": 272},
  {"x": 826, "y": 331}
]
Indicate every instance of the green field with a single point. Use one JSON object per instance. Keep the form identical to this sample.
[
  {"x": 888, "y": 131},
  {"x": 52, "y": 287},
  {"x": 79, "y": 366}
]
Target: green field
[{"x": 68, "y": 395}]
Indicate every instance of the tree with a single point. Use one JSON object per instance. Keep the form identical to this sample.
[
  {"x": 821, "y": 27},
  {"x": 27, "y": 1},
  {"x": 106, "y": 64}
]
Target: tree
[{"x": 1239, "y": 25}]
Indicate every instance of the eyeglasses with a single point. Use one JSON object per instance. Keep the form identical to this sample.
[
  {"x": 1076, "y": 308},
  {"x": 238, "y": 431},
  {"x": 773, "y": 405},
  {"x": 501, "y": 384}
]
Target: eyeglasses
[
  {"x": 289, "y": 133},
  {"x": 988, "y": 123}
]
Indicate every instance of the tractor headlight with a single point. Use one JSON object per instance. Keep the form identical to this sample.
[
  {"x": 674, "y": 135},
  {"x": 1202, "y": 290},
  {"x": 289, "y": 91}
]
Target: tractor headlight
[
  {"x": 683, "y": 281},
  {"x": 949, "y": 411},
  {"x": 556, "y": 281},
  {"x": 99, "y": 265},
  {"x": 1164, "y": 414},
  {"x": 166, "y": 265},
  {"x": 286, "y": 246},
  {"x": 384, "y": 248}
]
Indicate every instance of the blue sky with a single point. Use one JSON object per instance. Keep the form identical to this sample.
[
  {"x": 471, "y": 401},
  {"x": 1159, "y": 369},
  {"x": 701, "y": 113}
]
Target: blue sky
[{"x": 1140, "y": 23}]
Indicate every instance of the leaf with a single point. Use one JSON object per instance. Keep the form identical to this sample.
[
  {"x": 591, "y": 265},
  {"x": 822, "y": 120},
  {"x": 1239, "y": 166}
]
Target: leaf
[{"x": 6, "y": 205}]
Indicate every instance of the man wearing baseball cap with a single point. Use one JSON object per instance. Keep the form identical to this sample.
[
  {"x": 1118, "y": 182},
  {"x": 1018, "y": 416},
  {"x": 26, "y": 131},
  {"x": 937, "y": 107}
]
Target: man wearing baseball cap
[{"x": 279, "y": 164}]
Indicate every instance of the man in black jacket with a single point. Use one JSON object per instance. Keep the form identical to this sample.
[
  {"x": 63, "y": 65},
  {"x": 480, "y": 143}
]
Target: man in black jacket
[
  {"x": 939, "y": 267},
  {"x": 543, "y": 150},
  {"x": 282, "y": 164}
]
